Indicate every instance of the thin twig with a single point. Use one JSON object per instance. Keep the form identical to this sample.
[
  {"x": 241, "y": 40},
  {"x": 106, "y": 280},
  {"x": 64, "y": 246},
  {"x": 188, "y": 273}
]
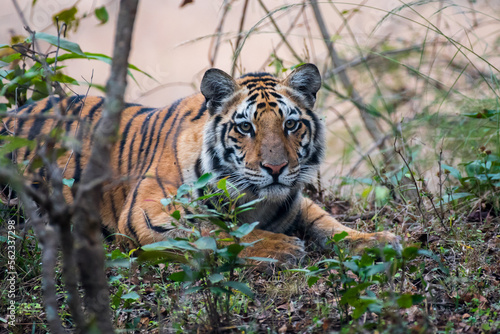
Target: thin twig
[
  {"x": 215, "y": 45},
  {"x": 240, "y": 30},
  {"x": 283, "y": 38},
  {"x": 369, "y": 121}
]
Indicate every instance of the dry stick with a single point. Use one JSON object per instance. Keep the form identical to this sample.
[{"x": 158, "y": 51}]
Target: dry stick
[
  {"x": 309, "y": 34},
  {"x": 217, "y": 36},
  {"x": 87, "y": 220},
  {"x": 60, "y": 216},
  {"x": 371, "y": 56},
  {"x": 283, "y": 38},
  {"x": 48, "y": 238},
  {"x": 240, "y": 30},
  {"x": 288, "y": 31},
  {"x": 369, "y": 121}
]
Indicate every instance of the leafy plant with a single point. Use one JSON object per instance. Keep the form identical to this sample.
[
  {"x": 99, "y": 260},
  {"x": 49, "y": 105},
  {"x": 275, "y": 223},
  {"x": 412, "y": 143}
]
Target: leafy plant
[
  {"x": 208, "y": 258},
  {"x": 356, "y": 279}
]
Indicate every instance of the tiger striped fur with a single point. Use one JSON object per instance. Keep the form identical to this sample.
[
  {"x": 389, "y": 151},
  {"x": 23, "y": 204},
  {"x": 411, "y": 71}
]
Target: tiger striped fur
[{"x": 258, "y": 131}]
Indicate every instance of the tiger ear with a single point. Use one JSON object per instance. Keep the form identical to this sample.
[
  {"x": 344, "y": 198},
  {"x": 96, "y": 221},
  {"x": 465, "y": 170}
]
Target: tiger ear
[
  {"x": 217, "y": 86},
  {"x": 306, "y": 81}
]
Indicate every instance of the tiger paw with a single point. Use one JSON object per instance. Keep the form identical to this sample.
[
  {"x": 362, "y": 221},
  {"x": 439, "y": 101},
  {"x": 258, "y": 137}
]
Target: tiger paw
[
  {"x": 377, "y": 239},
  {"x": 287, "y": 250}
]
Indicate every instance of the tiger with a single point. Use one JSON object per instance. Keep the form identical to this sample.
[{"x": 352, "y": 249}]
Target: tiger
[{"x": 257, "y": 131}]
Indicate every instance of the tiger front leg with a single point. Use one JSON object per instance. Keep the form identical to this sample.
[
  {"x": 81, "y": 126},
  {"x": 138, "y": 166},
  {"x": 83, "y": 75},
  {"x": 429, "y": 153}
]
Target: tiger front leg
[
  {"x": 144, "y": 219},
  {"x": 320, "y": 226}
]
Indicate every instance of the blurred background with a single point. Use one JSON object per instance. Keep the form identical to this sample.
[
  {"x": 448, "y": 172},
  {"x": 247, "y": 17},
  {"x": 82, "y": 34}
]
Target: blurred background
[{"x": 407, "y": 77}]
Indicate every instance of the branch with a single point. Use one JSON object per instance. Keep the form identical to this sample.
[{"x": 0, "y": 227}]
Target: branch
[
  {"x": 283, "y": 37},
  {"x": 369, "y": 121},
  {"x": 87, "y": 220}
]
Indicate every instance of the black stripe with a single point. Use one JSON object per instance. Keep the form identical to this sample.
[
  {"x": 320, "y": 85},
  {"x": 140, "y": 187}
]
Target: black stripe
[
  {"x": 74, "y": 108},
  {"x": 130, "y": 154},
  {"x": 151, "y": 135},
  {"x": 155, "y": 228},
  {"x": 37, "y": 126},
  {"x": 197, "y": 168},
  {"x": 281, "y": 211},
  {"x": 261, "y": 105},
  {"x": 26, "y": 109},
  {"x": 174, "y": 144},
  {"x": 113, "y": 207},
  {"x": 201, "y": 112},
  {"x": 167, "y": 116},
  {"x": 130, "y": 227},
  {"x": 79, "y": 138},
  {"x": 253, "y": 97},
  {"x": 143, "y": 135},
  {"x": 295, "y": 225},
  {"x": 125, "y": 132}
]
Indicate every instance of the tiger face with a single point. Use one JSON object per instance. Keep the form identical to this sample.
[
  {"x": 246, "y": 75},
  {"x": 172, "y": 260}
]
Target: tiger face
[{"x": 262, "y": 133}]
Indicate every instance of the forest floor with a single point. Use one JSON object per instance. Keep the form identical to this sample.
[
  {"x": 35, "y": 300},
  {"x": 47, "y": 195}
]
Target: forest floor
[{"x": 454, "y": 289}]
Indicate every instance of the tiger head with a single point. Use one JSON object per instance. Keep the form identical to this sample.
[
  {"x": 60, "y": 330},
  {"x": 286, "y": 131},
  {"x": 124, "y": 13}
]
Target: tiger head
[{"x": 262, "y": 133}]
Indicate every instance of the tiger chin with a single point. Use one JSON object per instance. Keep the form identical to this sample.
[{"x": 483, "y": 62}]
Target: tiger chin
[{"x": 259, "y": 132}]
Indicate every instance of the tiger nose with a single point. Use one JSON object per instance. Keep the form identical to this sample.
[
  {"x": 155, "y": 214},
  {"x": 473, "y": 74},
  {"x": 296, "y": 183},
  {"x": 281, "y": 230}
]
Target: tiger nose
[{"x": 275, "y": 169}]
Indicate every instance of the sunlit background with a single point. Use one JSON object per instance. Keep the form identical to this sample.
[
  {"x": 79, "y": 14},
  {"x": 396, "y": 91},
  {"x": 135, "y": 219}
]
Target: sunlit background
[{"x": 410, "y": 62}]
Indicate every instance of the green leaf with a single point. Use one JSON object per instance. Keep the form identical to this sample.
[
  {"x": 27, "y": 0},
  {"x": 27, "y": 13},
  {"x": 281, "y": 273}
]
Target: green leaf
[
  {"x": 453, "y": 197},
  {"x": 168, "y": 244},
  {"x": 131, "y": 295},
  {"x": 11, "y": 143},
  {"x": 206, "y": 243},
  {"x": 219, "y": 223},
  {"x": 235, "y": 249},
  {"x": 165, "y": 201},
  {"x": 123, "y": 263},
  {"x": 485, "y": 113},
  {"x": 218, "y": 291},
  {"x": 340, "y": 236},
  {"x": 405, "y": 300},
  {"x": 251, "y": 203},
  {"x": 241, "y": 287},
  {"x": 60, "y": 77},
  {"x": 95, "y": 56},
  {"x": 178, "y": 276},
  {"x": 409, "y": 253},
  {"x": 161, "y": 256},
  {"x": 193, "y": 289},
  {"x": 63, "y": 43},
  {"x": 203, "y": 181},
  {"x": 262, "y": 259},
  {"x": 377, "y": 268},
  {"x": 222, "y": 185},
  {"x": 102, "y": 14},
  {"x": 67, "y": 16},
  {"x": 243, "y": 230},
  {"x": 176, "y": 215},
  {"x": 351, "y": 296},
  {"x": 453, "y": 171},
  {"x": 214, "y": 278},
  {"x": 68, "y": 182},
  {"x": 312, "y": 280}
]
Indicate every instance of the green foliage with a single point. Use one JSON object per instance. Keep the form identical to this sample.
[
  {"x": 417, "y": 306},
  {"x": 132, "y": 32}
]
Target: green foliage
[
  {"x": 26, "y": 77},
  {"x": 481, "y": 179},
  {"x": 368, "y": 282},
  {"x": 210, "y": 254}
]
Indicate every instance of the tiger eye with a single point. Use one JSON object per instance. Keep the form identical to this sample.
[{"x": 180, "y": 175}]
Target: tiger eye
[
  {"x": 290, "y": 124},
  {"x": 245, "y": 127}
]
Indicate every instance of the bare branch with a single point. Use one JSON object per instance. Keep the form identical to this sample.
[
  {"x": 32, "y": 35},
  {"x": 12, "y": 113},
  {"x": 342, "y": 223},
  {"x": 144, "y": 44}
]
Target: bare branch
[
  {"x": 369, "y": 120},
  {"x": 87, "y": 220}
]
